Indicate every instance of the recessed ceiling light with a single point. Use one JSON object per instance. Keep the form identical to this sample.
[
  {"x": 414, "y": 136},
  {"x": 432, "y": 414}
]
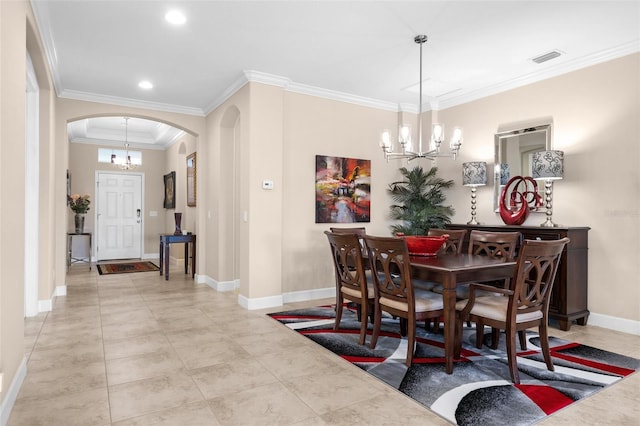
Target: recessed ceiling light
[
  {"x": 175, "y": 17},
  {"x": 145, "y": 85}
]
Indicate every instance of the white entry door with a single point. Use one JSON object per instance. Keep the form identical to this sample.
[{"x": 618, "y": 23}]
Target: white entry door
[{"x": 119, "y": 218}]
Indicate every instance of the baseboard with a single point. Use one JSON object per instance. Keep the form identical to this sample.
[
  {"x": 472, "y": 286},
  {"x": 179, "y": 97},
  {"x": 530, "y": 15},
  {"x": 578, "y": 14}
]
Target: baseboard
[
  {"x": 46, "y": 305},
  {"x": 614, "y": 323},
  {"x": 217, "y": 285},
  {"x": 303, "y": 296},
  {"x": 291, "y": 297},
  {"x": 148, "y": 256},
  {"x": 12, "y": 392},
  {"x": 260, "y": 302}
]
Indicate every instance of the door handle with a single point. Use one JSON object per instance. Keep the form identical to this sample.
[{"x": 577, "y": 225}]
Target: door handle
[{"x": 138, "y": 214}]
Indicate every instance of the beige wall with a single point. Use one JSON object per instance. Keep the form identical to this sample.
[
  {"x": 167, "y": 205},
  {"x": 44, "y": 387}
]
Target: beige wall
[{"x": 12, "y": 106}]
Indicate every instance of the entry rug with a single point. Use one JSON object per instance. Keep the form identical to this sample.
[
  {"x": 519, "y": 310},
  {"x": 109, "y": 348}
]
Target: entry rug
[
  {"x": 124, "y": 268},
  {"x": 479, "y": 392}
]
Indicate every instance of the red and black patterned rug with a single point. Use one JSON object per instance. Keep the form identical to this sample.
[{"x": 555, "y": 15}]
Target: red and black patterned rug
[
  {"x": 125, "y": 268},
  {"x": 479, "y": 392}
]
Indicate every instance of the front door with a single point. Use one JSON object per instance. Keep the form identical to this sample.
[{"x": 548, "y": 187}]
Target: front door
[{"x": 119, "y": 218}]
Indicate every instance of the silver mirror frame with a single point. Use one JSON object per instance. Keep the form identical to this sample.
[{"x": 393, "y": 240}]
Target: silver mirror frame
[{"x": 513, "y": 135}]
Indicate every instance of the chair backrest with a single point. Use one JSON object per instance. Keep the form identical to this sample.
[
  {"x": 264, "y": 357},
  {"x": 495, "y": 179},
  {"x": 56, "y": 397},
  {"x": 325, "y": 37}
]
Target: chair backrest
[
  {"x": 358, "y": 231},
  {"x": 348, "y": 263},
  {"x": 456, "y": 239},
  {"x": 534, "y": 276},
  {"x": 494, "y": 244},
  {"x": 391, "y": 270}
]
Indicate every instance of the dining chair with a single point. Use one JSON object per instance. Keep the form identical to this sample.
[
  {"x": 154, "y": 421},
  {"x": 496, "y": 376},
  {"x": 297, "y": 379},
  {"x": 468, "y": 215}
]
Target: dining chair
[
  {"x": 394, "y": 290},
  {"x": 359, "y": 231},
  {"x": 352, "y": 281},
  {"x": 455, "y": 242},
  {"x": 523, "y": 305}
]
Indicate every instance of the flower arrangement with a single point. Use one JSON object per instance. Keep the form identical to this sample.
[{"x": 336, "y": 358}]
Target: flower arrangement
[{"x": 78, "y": 203}]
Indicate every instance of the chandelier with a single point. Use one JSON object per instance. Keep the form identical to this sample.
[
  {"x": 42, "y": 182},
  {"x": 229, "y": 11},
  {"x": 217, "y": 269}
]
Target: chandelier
[
  {"x": 125, "y": 164},
  {"x": 437, "y": 135}
]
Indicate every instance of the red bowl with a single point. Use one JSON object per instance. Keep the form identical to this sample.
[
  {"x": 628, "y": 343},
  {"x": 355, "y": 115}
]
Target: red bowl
[{"x": 423, "y": 245}]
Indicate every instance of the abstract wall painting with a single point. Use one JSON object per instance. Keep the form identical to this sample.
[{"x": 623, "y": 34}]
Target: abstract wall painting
[{"x": 343, "y": 190}]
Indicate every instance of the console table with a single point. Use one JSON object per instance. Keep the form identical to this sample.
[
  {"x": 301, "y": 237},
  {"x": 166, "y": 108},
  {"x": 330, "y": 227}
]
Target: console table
[
  {"x": 165, "y": 242},
  {"x": 70, "y": 259},
  {"x": 569, "y": 296}
]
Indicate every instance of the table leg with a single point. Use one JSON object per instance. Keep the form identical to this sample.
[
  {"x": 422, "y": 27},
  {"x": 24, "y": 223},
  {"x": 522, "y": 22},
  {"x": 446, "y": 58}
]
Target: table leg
[
  {"x": 186, "y": 257},
  {"x": 193, "y": 259},
  {"x": 166, "y": 261},
  {"x": 449, "y": 299},
  {"x": 69, "y": 248},
  {"x": 161, "y": 251}
]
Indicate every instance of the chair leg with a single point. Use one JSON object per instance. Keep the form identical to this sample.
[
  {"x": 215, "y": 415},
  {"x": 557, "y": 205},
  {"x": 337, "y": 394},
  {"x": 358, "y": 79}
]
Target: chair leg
[
  {"x": 363, "y": 323},
  {"x": 495, "y": 337},
  {"x": 403, "y": 327},
  {"x": 479, "y": 333},
  {"x": 411, "y": 339},
  {"x": 436, "y": 325},
  {"x": 511, "y": 355},
  {"x": 359, "y": 312},
  {"x": 522, "y": 335},
  {"x": 339, "y": 303},
  {"x": 544, "y": 344},
  {"x": 376, "y": 327}
]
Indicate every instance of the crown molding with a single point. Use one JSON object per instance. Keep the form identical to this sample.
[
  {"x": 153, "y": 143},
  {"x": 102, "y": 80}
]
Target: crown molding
[
  {"x": 115, "y": 100},
  {"x": 47, "y": 40},
  {"x": 342, "y": 97}
]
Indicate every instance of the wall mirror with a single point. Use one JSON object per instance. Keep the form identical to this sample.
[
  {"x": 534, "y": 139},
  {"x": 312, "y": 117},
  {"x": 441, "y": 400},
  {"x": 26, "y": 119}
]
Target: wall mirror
[{"x": 514, "y": 148}]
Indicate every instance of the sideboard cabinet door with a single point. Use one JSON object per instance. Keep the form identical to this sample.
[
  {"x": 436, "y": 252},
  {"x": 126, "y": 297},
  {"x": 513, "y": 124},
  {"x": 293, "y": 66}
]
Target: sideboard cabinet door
[{"x": 569, "y": 295}]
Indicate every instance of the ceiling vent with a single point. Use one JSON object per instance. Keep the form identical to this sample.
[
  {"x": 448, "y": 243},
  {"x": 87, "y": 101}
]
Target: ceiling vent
[{"x": 546, "y": 57}]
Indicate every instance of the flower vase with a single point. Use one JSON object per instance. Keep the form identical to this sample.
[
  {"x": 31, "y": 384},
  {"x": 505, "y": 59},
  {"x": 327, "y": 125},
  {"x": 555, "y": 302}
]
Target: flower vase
[
  {"x": 79, "y": 223},
  {"x": 178, "y": 218}
]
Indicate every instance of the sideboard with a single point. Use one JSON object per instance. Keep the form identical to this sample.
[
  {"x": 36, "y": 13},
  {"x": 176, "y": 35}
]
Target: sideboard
[{"x": 569, "y": 295}]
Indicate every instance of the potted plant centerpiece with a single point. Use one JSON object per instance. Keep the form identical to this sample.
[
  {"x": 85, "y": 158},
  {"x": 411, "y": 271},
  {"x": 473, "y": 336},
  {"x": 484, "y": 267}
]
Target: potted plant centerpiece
[
  {"x": 418, "y": 204},
  {"x": 80, "y": 206}
]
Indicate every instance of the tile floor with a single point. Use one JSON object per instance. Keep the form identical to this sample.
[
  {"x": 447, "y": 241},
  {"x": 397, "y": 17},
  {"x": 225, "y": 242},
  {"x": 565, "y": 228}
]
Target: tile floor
[{"x": 134, "y": 349}]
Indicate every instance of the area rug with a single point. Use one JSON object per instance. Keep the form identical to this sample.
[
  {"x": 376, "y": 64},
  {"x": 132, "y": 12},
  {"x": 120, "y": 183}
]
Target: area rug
[
  {"x": 479, "y": 392},
  {"x": 125, "y": 268}
]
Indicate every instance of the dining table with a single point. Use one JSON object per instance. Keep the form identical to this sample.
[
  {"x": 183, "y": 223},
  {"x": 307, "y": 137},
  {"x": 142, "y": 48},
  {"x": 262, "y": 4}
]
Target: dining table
[{"x": 451, "y": 270}]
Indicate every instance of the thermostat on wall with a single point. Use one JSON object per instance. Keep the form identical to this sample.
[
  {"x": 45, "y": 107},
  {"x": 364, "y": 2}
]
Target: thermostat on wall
[{"x": 267, "y": 184}]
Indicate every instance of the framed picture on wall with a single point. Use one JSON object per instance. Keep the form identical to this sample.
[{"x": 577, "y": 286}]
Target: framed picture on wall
[
  {"x": 169, "y": 190},
  {"x": 343, "y": 188},
  {"x": 191, "y": 180}
]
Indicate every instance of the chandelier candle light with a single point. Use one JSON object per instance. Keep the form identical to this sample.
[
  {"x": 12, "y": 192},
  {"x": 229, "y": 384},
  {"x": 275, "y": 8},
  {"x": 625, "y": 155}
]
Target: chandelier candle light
[
  {"x": 474, "y": 174},
  {"x": 437, "y": 135},
  {"x": 548, "y": 166},
  {"x": 125, "y": 164}
]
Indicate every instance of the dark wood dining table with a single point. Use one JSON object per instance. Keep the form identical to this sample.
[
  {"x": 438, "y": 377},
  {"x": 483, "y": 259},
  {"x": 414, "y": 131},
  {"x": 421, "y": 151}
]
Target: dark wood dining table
[{"x": 451, "y": 270}]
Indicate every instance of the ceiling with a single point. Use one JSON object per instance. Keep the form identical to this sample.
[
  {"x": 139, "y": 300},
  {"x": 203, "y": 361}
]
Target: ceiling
[{"x": 357, "y": 51}]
